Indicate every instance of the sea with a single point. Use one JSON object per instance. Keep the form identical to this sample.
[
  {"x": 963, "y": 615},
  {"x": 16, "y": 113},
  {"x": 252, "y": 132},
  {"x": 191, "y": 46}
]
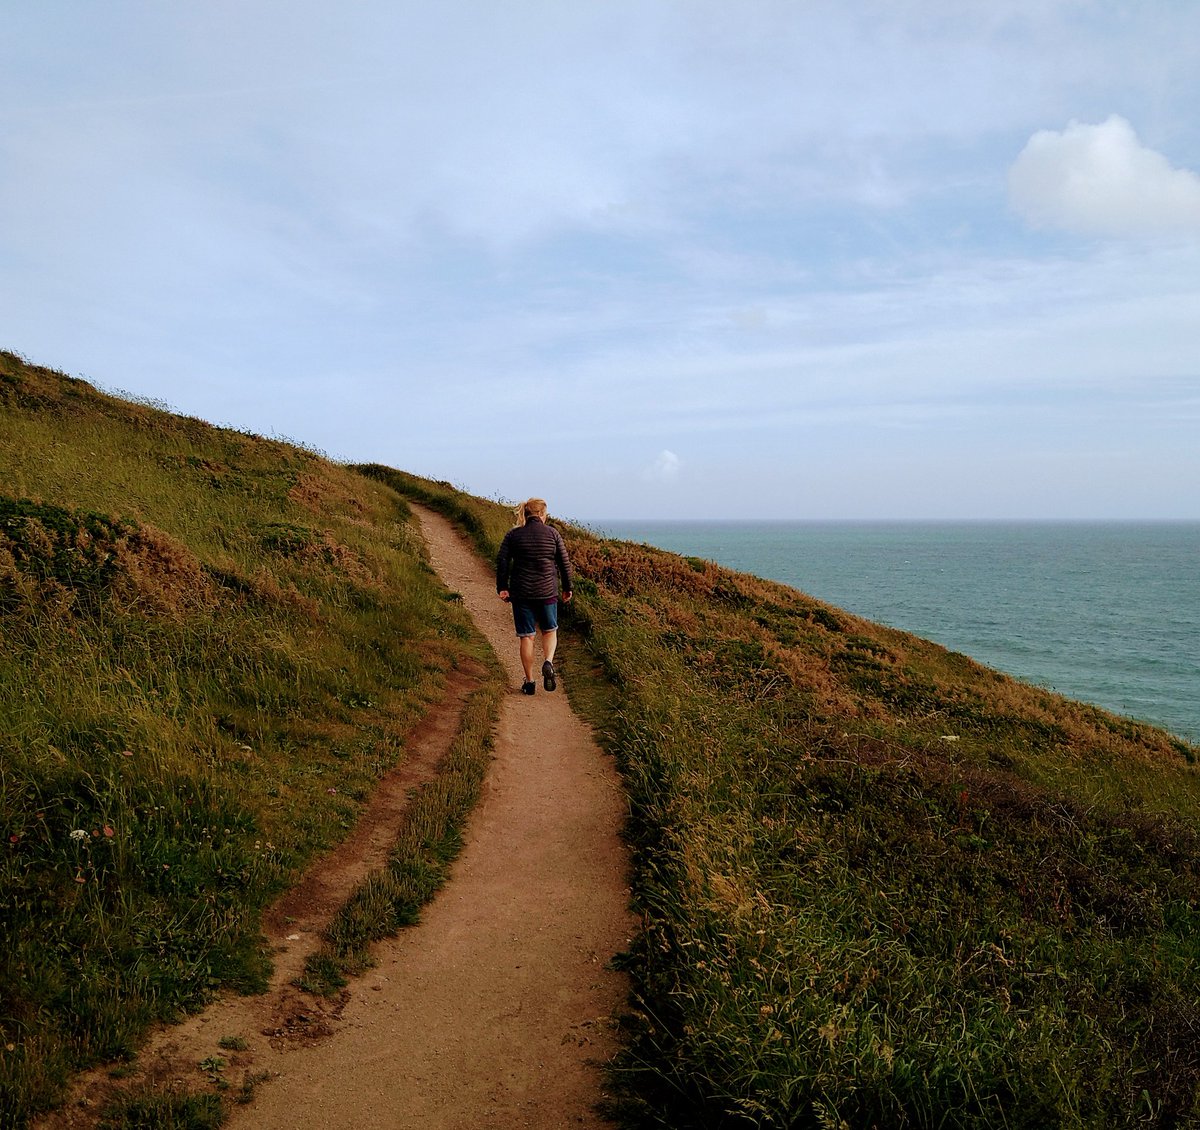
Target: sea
[{"x": 1103, "y": 612}]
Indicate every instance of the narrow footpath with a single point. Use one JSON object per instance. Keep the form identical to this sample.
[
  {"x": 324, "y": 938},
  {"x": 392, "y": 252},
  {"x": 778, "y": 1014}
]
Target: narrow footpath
[{"x": 497, "y": 1009}]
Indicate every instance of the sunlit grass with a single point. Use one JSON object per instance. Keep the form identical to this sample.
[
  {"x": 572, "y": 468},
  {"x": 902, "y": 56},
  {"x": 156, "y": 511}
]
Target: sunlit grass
[{"x": 880, "y": 884}]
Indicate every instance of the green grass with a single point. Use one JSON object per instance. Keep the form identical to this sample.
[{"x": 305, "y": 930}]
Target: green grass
[
  {"x": 153, "y": 1111},
  {"x": 213, "y": 646},
  {"x": 880, "y": 884}
]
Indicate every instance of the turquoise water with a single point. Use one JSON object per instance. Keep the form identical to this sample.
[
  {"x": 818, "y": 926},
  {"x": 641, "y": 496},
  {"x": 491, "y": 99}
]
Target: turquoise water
[{"x": 1104, "y": 612}]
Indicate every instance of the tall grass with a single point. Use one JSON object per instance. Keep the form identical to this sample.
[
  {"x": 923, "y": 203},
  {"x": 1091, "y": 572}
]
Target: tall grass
[
  {"x": 881, "y": 885},
  {"x": 213, "y": 646}
]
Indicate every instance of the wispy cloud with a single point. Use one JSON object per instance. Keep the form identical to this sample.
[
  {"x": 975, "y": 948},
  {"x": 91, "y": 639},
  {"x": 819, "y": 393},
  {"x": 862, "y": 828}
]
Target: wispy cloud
[{"x": 664, "y": 469}]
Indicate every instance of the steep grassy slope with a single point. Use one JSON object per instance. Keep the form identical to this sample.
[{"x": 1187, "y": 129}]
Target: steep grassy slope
[
  {"x": 880, "y": 885},
  {"x": 211, "y": 647}
]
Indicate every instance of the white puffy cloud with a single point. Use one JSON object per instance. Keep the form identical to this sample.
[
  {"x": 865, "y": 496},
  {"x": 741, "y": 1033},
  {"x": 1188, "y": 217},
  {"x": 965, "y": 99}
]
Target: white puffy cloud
[
  {"x": 664, "y": 469},
  {"x": 1101, "y": 180}
]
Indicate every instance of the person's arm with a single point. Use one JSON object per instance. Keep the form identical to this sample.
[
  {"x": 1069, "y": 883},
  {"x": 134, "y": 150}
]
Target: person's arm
[
  {"x": 503, "y": 562},
  {"x": 563, "y": 562}
]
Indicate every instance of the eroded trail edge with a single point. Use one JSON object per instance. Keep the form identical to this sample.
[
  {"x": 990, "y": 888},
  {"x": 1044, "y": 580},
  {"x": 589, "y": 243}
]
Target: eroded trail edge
[
  {"x": 175, "y": 1056},
  {"x": 497, "y": 1009}
]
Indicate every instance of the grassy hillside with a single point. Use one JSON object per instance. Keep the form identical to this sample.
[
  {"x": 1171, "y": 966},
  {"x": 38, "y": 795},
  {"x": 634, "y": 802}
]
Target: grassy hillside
[
  {"x": 880, "y": 884},
  {"x": 883, "y": 885},
  {"x": 212, "y": 645}
]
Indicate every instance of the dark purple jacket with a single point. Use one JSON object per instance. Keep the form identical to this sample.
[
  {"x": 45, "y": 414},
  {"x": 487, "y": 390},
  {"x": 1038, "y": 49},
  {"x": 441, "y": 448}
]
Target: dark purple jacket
[{"x": 531, "y": 561}]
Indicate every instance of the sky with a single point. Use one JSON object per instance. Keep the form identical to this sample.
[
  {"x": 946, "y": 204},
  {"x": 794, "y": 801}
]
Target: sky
[{"x": 642, "y": 258}]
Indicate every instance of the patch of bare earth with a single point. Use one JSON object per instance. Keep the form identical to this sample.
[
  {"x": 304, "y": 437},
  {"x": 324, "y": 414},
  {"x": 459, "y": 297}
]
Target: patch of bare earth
[{"x": 497, "y": 1010}]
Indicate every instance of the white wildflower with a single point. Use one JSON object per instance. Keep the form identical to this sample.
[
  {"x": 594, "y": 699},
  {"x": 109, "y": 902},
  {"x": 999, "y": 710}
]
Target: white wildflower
[{"x": 79, "y": 834}]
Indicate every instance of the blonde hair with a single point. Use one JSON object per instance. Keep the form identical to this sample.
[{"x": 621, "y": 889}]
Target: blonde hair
[{"x": 531, "y": 508}]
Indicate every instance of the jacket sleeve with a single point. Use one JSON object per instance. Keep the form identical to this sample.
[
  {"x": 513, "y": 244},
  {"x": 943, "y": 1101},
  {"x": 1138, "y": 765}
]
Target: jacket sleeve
[
  {"x": 503, "y": 562},
  {"x": 563, "y": 561}
]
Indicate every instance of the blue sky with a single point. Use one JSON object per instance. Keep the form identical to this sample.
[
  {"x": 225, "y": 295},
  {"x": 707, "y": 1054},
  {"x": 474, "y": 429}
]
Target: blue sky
[{"x": 857, "y": 258}]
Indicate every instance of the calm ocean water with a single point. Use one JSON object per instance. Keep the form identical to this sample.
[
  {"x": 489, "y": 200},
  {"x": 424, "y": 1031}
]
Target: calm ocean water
[{"x": 1104, "y": 612}]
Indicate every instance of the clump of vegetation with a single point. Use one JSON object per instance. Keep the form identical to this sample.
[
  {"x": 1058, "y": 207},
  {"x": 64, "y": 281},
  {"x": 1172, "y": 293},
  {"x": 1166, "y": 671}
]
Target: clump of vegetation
[
  {"x": 880, "y": 884},
  {"x": 153, "y": 1111},
  {"x": 213, "y": 646}
]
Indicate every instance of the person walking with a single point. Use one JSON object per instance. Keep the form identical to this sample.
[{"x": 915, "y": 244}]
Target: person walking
[{"x": 531, "y": 563}]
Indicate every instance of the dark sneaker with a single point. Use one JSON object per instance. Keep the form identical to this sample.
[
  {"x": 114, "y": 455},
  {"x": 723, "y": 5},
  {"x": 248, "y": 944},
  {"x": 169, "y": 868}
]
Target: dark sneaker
[
  {"x": 528, "y": 688},
  {"x": 548, "y": 679}
]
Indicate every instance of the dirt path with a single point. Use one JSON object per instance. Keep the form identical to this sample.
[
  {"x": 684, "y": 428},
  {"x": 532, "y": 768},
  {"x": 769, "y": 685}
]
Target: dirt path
[{"x": 495, "y": 1010}]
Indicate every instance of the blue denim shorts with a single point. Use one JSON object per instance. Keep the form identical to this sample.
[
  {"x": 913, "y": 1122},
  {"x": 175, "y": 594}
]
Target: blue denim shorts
[{"x": 529, "y": 617}]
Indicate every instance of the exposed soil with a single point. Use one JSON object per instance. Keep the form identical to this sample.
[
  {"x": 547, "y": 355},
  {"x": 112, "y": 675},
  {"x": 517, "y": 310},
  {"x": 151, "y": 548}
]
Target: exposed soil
[{"x": 497, "y": 1009}]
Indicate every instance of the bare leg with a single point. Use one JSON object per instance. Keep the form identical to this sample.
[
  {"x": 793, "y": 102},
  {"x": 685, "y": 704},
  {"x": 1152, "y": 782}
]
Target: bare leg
[
  {"x": 527, "y": 657},
  {"x": 549, "y": 642}
]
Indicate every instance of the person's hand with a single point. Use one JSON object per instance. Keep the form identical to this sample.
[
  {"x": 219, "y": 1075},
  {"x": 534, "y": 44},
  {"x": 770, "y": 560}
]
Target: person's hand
[
  {"x": 567, "y": 596},
  {"x": 503, "y": 595}
]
